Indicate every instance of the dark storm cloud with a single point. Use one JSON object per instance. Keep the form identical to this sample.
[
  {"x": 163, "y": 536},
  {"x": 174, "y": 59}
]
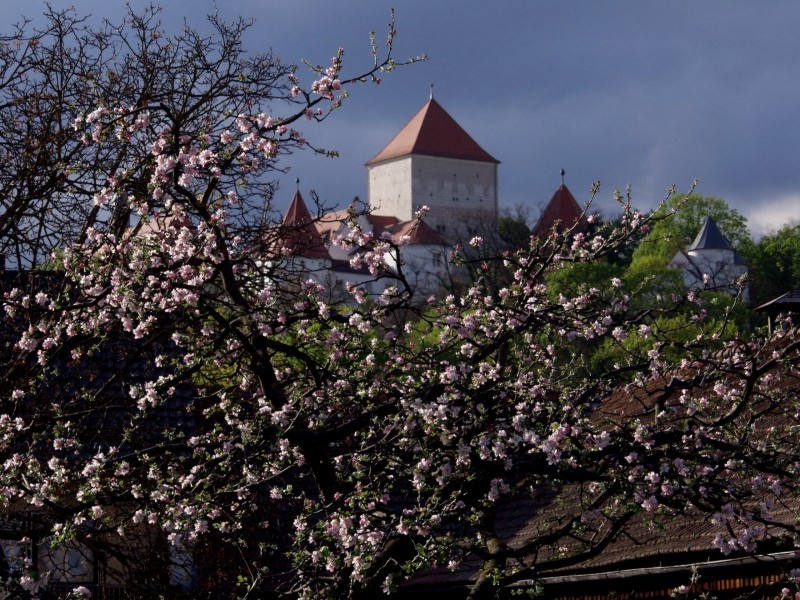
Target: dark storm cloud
[{"x": 646, "y": 93}]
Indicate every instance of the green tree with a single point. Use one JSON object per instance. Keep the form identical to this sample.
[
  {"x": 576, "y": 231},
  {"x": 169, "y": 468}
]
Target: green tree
[
  {"x": 514, "y": 231},
  {"x": 679, "y": 220},
  {"x": 774, "y": 263}
]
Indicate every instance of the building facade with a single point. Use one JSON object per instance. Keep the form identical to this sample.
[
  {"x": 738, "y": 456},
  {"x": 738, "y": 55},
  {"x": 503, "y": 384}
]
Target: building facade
[{"x": 433, "y": 162}]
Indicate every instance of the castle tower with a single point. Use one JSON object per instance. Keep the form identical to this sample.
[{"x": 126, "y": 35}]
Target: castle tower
[
  {"x": 562, "y": 212},
  {"x": 711, "y": 262},
  {"x": 432, "y": 161},
  {"x": 301, "y": 237}
]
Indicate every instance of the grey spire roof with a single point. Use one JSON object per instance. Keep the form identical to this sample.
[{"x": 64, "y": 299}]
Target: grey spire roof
[{"x": 710, "y": 237}]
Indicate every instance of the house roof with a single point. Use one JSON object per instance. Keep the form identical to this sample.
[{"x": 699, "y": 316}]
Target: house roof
[
  {"x": 787, "y": 301},
  {"x": 678, "y": 540},
  {"x": 562, "y": 209},
  {"x": 381, "y": 223},
  {"x": 418, "y": 231},
  {"x": 433, "y": 132},
  {"x": 329, "y": 223},
  {"x": 710, "y": 237},
  {"x": 299, "y": 234},
  {"x": 159, "y": 223}
]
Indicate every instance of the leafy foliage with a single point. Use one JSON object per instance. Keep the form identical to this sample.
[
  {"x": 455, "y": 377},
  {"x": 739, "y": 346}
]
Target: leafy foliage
[
  {"x": 680, "y": 218},
  {"x": 774, "y": 263},
  {"x": 513, "y": 230}
]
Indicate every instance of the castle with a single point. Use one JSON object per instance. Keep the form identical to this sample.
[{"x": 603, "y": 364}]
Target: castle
[{"x": 432, "y": 162}]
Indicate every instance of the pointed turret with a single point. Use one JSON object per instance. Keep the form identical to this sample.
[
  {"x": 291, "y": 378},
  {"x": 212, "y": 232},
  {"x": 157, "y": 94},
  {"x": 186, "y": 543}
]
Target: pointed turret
[
  {"x": 711, "y": 262},
  {"x": 710, "y": 237},
  {"x": 562, "y": 209},
  {"x": 433, "y": 132},
  {"x": 301, "y": 237},
  {"x": 434, "y": 162}
]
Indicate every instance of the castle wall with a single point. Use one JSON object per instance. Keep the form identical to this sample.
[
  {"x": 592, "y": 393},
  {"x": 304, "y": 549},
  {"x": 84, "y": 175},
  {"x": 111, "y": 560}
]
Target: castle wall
[
  {"x": 461, "y": 194},
  {"x": 424, "y": 266},
  {"x": 718, "y": 264},
  {"x": 389, "y": 188}
]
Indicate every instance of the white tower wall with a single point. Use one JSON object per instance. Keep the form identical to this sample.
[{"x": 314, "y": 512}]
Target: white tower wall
[
  {"x": 389, "y": 188},
  {"x": 461, "y": 194}
]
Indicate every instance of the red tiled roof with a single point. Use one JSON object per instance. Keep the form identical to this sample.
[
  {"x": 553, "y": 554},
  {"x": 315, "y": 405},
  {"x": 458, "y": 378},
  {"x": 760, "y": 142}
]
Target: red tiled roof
[
  {"x": 381, "y": 223},
  {"x": 433, "y": 132},
  {"x": 562, "y": 208},
  {"x": 418, "y": 231},
  {"x": 160, "y": 223},
  {"x": 297, "y": 213},
  {"x": 301, "y": 236},
  {"x": 329, "y": 223}
]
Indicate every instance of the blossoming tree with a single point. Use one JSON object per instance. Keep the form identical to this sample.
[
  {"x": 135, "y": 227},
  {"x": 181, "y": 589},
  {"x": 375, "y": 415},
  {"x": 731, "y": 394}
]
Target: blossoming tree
[{"x": 174, "y": 394}]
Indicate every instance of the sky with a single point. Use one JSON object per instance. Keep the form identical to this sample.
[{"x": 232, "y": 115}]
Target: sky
[{"x": 640, "y": 93}]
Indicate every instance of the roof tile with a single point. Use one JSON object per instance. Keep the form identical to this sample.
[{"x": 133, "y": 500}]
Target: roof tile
[
  {"x": 301, "y": 238},
  {"x": 710, "y": 237},
  {"x": 433, "y": 132},
  {"x": 419, "y": 232},
  {"x": 562, "y": 209}
]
